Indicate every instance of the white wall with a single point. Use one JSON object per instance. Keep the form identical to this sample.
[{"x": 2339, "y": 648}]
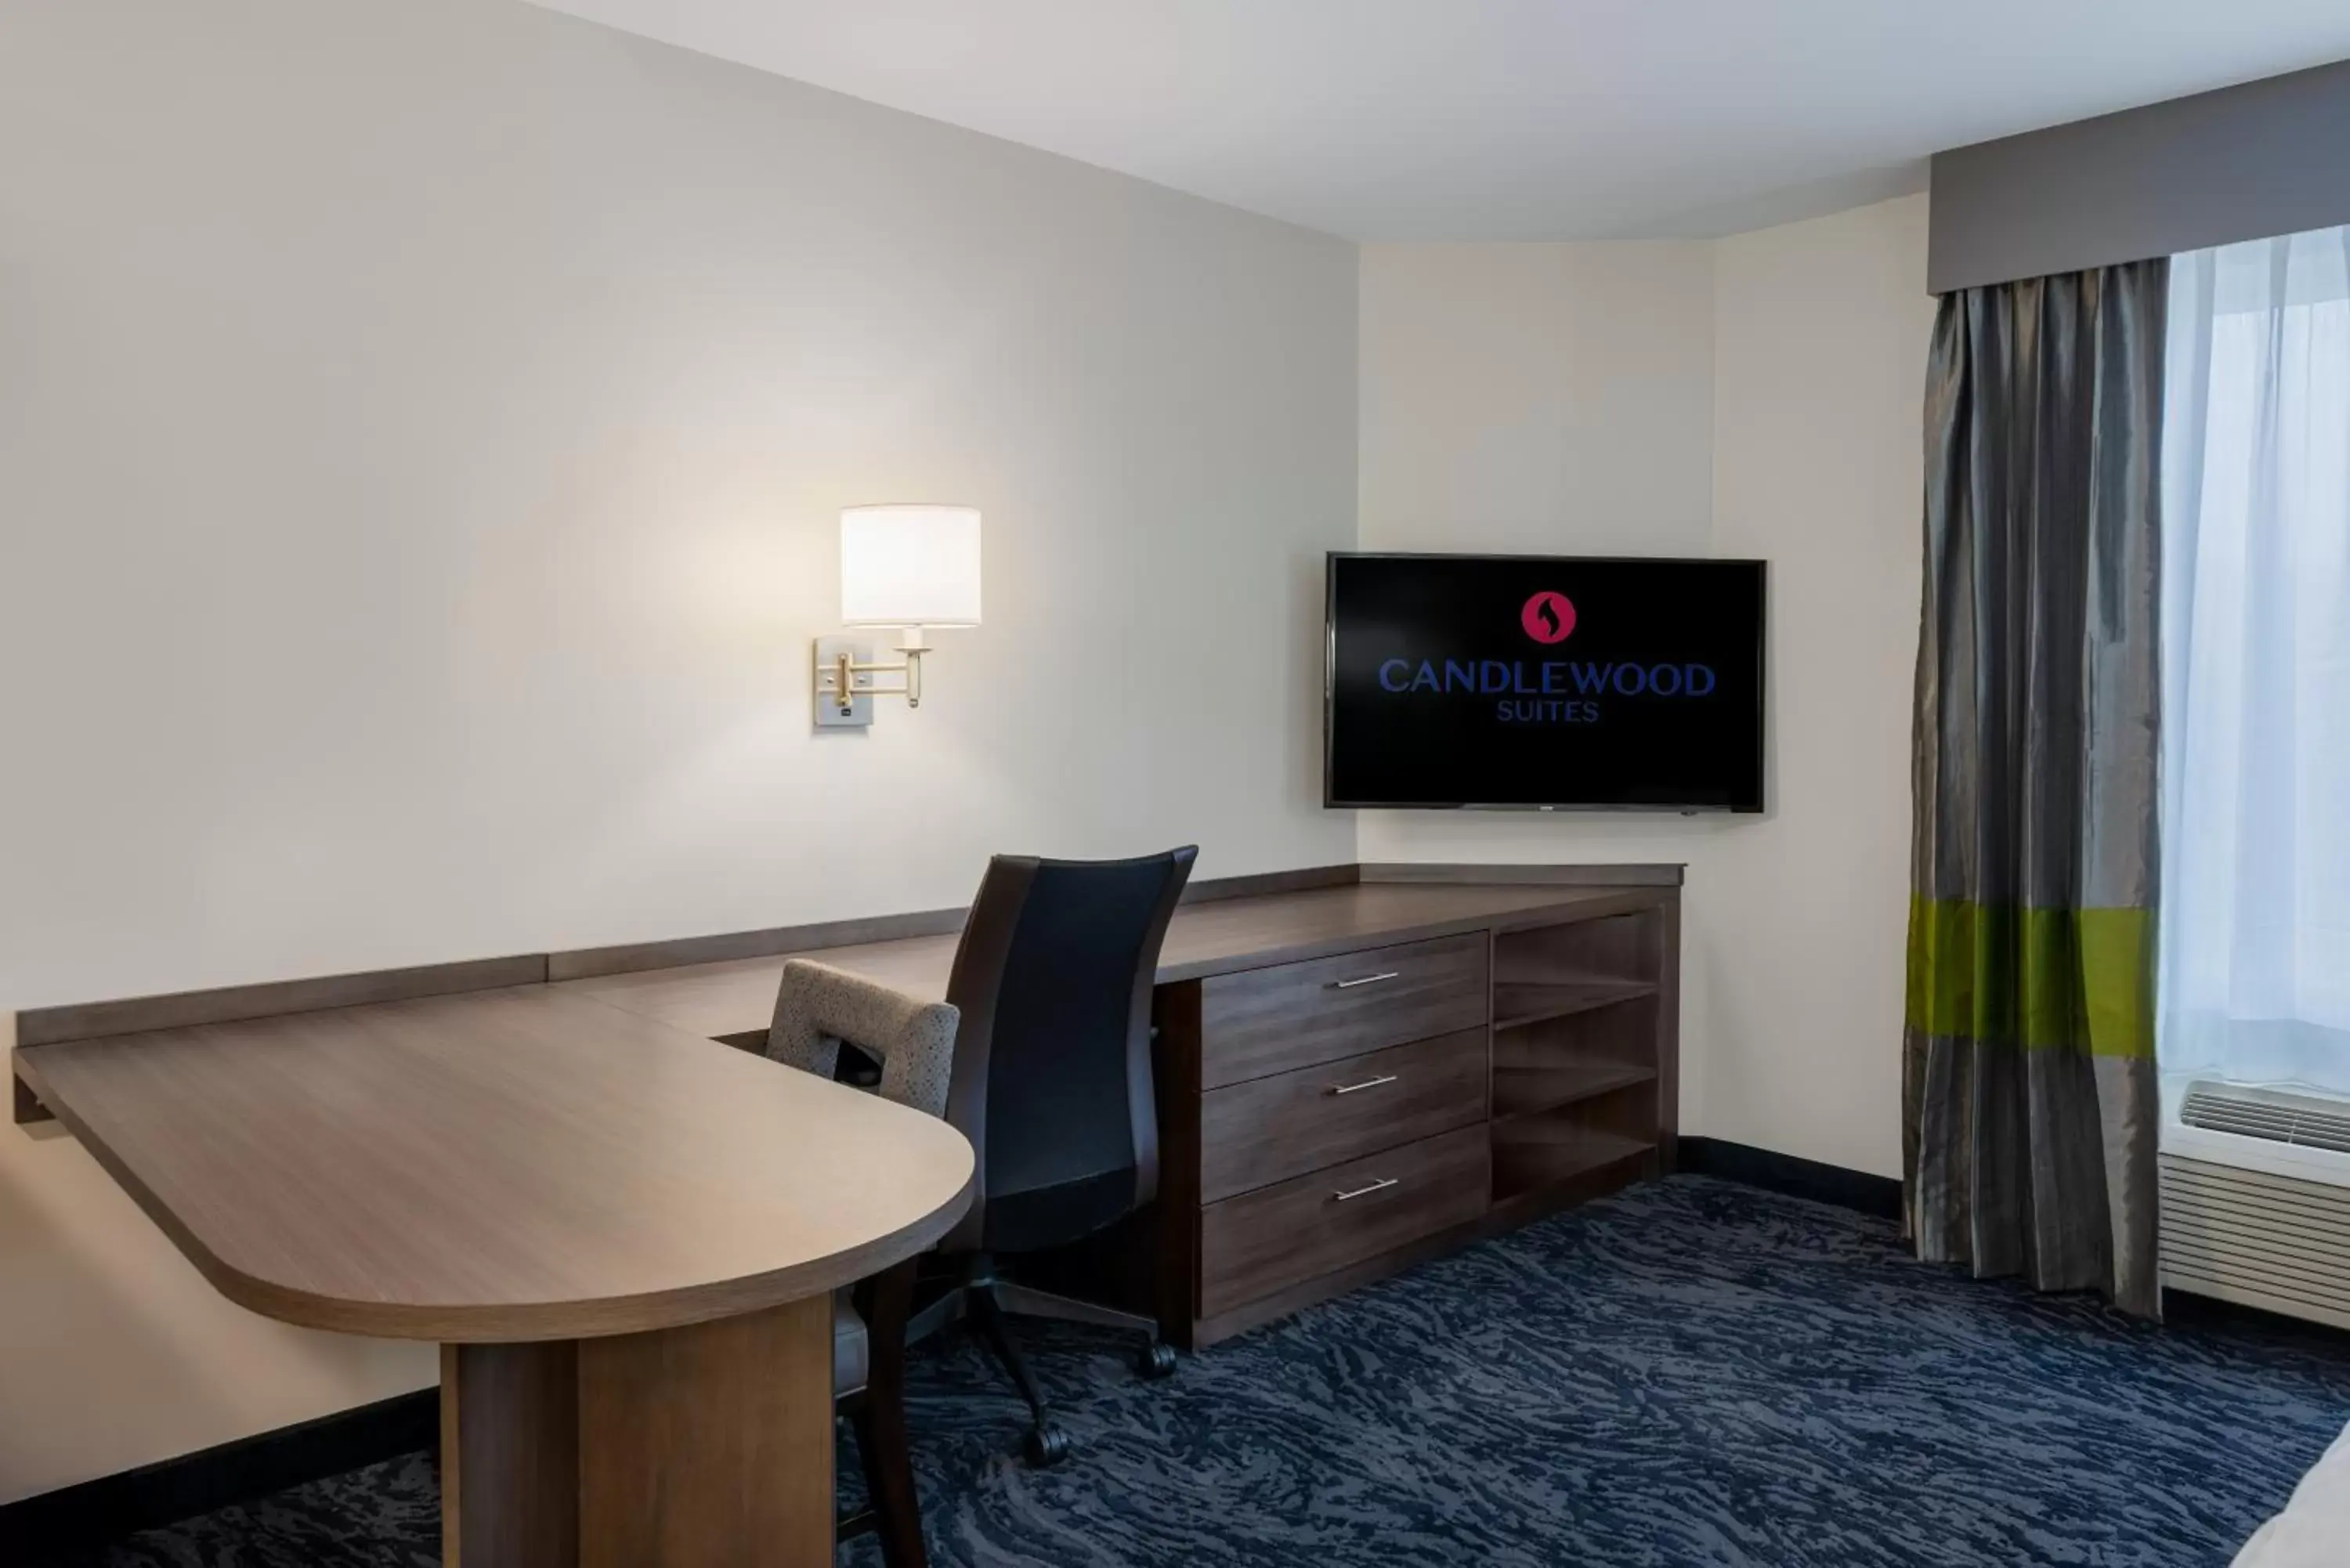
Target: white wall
[
  {"x": 421, "y": 428},
  {"x": 1755, "y": 397},
  {"x": 1821, "y": 333},
  {"x": 1552, "y": 400},
  {"x": 1536, "y": 397}
]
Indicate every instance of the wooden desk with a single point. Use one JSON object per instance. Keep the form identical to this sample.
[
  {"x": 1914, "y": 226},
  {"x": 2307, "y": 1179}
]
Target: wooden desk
[
  {"x": 1219, "y": 936},
  {"x": 1454, "y": 1058},
  {"x": 624, "y": 1235},
  {"x": 737, "y": 997}
]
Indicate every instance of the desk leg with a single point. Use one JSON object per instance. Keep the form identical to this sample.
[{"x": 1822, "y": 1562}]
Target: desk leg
[
  {"x": 710, "y": 1445},
  {"x": 703, "y": 1447},
  {"x": 510, "y": 1455}
]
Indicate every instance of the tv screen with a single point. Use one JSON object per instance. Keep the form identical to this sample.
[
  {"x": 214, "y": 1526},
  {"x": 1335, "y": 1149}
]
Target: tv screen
[{"x": 1544, "y": 682}]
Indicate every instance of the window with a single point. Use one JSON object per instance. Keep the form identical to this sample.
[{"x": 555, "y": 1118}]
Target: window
[{"x": 2255, "y": 969}]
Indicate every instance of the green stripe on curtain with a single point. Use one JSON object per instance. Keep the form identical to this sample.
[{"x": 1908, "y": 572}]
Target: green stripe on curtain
[{"x": 2079, "y": 979}]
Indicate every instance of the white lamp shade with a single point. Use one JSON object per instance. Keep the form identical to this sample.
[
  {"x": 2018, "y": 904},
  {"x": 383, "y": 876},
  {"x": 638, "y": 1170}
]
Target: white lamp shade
[{"x": 909, "y": 566}]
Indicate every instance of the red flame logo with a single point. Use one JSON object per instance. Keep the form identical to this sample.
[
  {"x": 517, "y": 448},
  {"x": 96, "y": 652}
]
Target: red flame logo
[{"x": 1548, "y": 616}]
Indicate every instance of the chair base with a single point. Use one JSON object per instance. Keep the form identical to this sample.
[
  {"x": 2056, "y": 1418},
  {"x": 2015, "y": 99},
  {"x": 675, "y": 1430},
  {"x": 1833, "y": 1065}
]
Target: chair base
[{"x": 985, "y": 1298}]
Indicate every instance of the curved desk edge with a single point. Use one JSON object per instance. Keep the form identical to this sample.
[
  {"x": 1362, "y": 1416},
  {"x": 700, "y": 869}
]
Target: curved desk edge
[{"x": 509, "y": 1322}]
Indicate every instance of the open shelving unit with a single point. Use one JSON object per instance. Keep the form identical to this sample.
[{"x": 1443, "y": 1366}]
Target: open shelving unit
[
  {"x": 1582, "y": 1043},
  {"x": 1529, "y": 1152},
  {"x": 1517, "y": 1003},
  {"x": 1532, "y": 1090}
]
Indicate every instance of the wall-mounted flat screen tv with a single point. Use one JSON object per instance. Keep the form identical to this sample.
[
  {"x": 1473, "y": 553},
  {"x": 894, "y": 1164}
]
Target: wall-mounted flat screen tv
[{"x": 1544, "y": 682}]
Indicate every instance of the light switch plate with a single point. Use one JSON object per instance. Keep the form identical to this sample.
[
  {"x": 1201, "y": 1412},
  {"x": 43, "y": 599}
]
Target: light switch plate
[{"x": 829, "y": 715}]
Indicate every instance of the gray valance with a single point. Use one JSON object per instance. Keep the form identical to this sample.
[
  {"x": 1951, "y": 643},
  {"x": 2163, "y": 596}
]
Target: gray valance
[{"x": 2246, "y": 162}]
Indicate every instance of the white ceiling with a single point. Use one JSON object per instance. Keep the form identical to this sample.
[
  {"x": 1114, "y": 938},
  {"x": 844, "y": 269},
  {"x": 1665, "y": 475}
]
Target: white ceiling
[{"x": 1507, "y": 118}]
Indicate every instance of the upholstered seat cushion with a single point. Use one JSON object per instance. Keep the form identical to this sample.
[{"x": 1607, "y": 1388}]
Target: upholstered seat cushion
[{"x": 850, "y": 1346}]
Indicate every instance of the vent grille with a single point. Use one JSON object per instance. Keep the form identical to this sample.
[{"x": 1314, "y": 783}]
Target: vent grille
[
  {"x": 2302, "y": 1121},
  {"x": 2273, "y": 1242}
]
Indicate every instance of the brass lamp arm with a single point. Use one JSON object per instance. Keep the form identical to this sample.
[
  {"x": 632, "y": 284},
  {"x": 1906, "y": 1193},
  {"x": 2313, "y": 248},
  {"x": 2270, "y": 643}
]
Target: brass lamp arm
[{"x": 840, "y": 682}]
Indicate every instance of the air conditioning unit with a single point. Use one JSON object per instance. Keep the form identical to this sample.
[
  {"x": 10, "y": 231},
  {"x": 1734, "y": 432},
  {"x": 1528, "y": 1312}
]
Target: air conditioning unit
[{"x": 2256, "y": 1199}]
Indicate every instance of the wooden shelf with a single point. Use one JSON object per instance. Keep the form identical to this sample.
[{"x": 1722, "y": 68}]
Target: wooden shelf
[
  {"x": 1534, "y": 1152},
  {"x": 1582, "y": 1051},
  {"x": 1555, "y": 1132},
  {"x": 1512, "y": 1209},
  {"x": 1526, "y": 1091},
  {"x": 1517, "y": 1003}
]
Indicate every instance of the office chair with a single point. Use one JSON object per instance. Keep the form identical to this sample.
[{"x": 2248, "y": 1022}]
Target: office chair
[
  {"x": 1052, "y": 1086},
  {"x": 817, "y": 1008}
]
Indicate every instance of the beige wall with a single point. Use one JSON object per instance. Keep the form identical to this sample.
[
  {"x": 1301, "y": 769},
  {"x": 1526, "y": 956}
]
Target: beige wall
[
  {"x": 1753, "y": 397},
  {"x": 1536, "y": 397},
  {"x": 1821, "y": 333},
  {"x": 422, "y": 424},
  {"x": 1549, "y": 399},
  {"x": 113, "y": 1350}
]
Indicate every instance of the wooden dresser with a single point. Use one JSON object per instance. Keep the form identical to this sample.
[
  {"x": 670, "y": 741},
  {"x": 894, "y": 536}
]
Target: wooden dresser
[{"x": 1326, "y": 1122}]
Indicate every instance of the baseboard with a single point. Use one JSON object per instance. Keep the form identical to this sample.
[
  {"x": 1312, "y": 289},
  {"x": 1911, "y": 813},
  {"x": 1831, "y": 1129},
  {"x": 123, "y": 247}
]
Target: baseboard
[
  {"x": 1787, "y": 1173},
  {"x": 76, "y": 1518}
]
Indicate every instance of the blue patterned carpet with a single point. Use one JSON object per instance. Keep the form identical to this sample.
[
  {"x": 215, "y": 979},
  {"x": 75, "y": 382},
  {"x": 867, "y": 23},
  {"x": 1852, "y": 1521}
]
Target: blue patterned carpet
[{"x": 1690, "y": 1374}]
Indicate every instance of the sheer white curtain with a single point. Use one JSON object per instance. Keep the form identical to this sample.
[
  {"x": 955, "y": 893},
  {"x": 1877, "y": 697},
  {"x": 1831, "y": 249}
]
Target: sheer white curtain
[{"x": 2255, "y": 967}]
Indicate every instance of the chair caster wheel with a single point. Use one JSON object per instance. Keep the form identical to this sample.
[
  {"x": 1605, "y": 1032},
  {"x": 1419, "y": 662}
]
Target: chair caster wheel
[
  {"x": 1045, "y": 1447},
  {"x": 1157, "y": 1361}
]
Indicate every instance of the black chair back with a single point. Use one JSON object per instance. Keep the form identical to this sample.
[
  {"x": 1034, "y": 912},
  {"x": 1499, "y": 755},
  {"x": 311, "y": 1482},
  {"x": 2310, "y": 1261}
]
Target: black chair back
[{"x": 1052, "y": 1065}]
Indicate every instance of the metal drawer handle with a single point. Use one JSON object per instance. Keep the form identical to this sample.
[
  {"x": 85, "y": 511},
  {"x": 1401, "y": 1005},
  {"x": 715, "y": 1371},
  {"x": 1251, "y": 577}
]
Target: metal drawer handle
[
  {"x": 1366, "y": 1084},
  {"x": 1366, "y": 980},
  {"x": 1381, "y": 1185}
]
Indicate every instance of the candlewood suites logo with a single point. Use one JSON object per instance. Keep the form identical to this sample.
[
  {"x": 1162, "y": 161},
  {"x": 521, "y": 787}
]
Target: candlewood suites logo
[
  {"x": 1549, "y": 617},
  {"x": 1547, "y": 691}
]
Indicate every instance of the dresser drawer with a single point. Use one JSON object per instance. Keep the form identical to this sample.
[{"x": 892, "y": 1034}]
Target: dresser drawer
[
  {"x": 1259, "y": 1022},
  {"x": 1266, "y": 1130},
  {"x": 1280, "y": 1236}
]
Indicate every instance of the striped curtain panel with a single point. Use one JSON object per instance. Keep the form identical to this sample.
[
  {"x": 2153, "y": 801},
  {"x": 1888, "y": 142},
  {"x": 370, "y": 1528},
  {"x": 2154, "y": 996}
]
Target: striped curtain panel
[{"x": 2030, "y": 1100}]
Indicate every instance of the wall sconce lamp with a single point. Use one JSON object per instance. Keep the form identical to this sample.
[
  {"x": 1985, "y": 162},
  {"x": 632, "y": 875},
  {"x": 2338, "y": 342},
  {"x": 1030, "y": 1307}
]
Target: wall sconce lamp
[{"x": 915, "y": 568}]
